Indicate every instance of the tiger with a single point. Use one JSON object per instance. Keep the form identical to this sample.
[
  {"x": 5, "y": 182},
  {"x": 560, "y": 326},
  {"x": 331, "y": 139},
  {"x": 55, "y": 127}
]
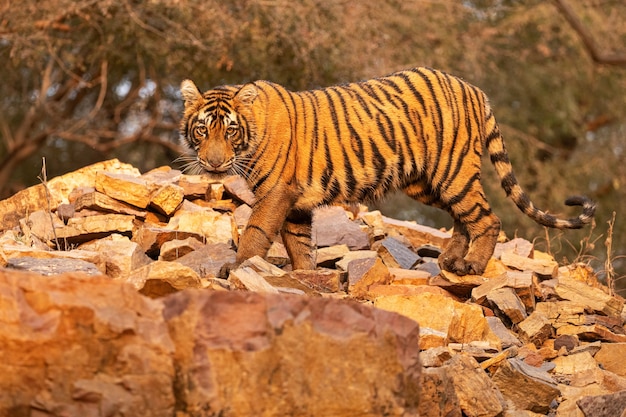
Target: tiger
[{"x": 421, "y": 131}]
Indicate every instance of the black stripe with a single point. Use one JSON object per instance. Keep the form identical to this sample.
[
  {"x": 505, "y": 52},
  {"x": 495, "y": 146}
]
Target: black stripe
[
  {"x": 501, "y": 156},
  {"x": 508, "y": 182},
  {"x": 252, "y": 226},
  {"x": 351, "y": 182}
]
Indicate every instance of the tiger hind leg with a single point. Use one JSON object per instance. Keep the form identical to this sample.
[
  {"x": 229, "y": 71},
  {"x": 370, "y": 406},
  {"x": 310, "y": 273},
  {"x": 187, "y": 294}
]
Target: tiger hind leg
[
  {"x": 476, "y": 228},
  {"x": 474, "y": 223},
  {"x": 452, "y": 257},
  {"x": 296, "y": 235}
]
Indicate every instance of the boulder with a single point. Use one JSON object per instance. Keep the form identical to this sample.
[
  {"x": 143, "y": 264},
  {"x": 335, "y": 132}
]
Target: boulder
[
  {"x": 74, "y": 345},
  {"x": 245, "y": 354}
]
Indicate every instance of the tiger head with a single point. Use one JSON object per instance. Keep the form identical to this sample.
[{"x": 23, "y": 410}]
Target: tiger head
[{"x": 218, "y": 126}]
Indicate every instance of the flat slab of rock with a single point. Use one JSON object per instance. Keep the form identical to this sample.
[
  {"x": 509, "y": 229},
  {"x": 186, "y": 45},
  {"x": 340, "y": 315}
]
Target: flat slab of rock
[
  {"x": 332, "y": 227},
  {"x": 300, "y": 352},
  {"x": 128, "y": 188},
  {"x": 53, "y": 266},
  {"x": 83, "y": 229},
  {"x": 209, "y": 259},
  {"x": 160, "y": 278},
  {"x": 101, "y": 202},
  {"x": 417, "y": 234}
]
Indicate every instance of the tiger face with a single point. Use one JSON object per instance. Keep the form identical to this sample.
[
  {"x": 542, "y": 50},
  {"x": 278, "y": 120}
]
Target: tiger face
[{"x": 216, "y": 128}]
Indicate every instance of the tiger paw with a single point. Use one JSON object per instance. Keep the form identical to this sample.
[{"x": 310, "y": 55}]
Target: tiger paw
[{"x": 460, "y": 266}]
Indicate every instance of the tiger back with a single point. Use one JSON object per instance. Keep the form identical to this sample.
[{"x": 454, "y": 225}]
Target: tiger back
[{"x": 421, "y": 131}]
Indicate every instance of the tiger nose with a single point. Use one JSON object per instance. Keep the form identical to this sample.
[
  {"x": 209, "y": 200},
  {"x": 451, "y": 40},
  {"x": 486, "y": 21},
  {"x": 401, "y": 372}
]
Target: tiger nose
[{"x": 215, "y": 162}]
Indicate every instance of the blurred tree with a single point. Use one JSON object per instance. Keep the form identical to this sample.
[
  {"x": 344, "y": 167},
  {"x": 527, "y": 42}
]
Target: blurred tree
[{"x": 92, "y": 79}]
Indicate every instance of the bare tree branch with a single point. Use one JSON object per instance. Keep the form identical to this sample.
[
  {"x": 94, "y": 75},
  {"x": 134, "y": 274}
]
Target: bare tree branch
[{"x": 587, "y": 38}]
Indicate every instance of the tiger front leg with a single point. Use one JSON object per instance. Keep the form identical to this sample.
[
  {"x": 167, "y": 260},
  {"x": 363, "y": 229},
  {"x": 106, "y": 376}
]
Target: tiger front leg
[
  {"x": 296, "y": 234},
  {"x": 268, "y": 215}
]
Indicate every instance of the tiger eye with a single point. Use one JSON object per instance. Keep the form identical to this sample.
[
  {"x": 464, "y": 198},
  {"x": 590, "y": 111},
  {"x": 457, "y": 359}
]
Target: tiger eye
[
  {"x": 200, "y": 131},
  {"x": 231, "y": 130}
]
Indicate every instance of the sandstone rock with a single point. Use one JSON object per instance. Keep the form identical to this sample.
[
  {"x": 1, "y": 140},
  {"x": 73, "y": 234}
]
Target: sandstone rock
[
  {"x": 573, "y": 306},
  {"x": 353, "y": 255},
  {"x": 244, "y": 354},
  {"x": 177, "y": 248},
  {"x": 536, "y": 328},
  {"x": 194, "y": 185},
  {"x": 459, "y": 285},
  {"x": 468, "y": 379},
  {"x": 127, "y": 188},
  {"x": 82, "y": 346},
  {"x": 438, "y": 395},
  {"x": 603, "y": 405},
  {"x": 409, "y": 277},
  {"x": 524, "y": 387},
  {"x": 327, "y": 257},
  {"x": 83, "y": 229},
  {"x": 121, "y": 256},
  {"x": 363, "y": 273},
  {"x": 160, "y": 278},
  {"x": 52, "y": 266},
  {"x": 380, "y": 290},
  {"x": 34, "y": 198},
  {"x": 569, "y": 342},
  {"x": 274, "y": 276},
  {"x": 574, "y": 363},
  {"x": 517, "y": 246},
  {"x": 592, "y": 298},
  {"x": 321, "y": 280},
  {"x": 521, "y": 282},
  {"x": 95, "y": 200},
  {"x": 246, "y": 278},
  {"x": 462, "y": 323},
  {"x": 41, "y": 224},
  {"x": 374, "y": 220},
  {"x": 167, "y": 198},
  {"x": 20, "y": 251},
  {"x": 242, "y": 215},
  {"x": 238, "y": 188},
  {"x": 611, "y": 357},
  {"x": 417, "y": 234},
  {"x": 209, "y": 259},
  {"x": 506, "y": 336},
  {"x": 332, "y": 227},
  {"x": 263, "y": 267},
  {"x": 214, "y": 227},
  {"x": 507, "y": 303},
  {"x": 547, "y": 267},
  {"x": 152, "y": 238},
  {"x": 277, "y": 254},
  {"x": 215, "y": 192},
  {"x": 162, "y": 175},
  {"x": 395, "y": 255}
]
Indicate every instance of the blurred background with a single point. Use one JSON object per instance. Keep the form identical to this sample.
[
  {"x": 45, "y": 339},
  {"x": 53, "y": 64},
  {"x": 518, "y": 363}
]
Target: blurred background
[{"x": 87, "y": 80}]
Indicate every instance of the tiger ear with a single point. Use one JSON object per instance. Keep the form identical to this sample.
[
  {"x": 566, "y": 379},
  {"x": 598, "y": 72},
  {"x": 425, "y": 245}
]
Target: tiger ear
[
  {"x": 190, "y": 92},
  {"x": 247, "y": 94}
]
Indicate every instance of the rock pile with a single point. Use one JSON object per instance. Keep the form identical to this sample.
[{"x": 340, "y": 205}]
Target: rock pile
[{"x": 121, "y": 313}]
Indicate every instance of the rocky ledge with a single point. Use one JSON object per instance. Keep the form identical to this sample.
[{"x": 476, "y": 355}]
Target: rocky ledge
[{"x": 110, "y": 306}]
